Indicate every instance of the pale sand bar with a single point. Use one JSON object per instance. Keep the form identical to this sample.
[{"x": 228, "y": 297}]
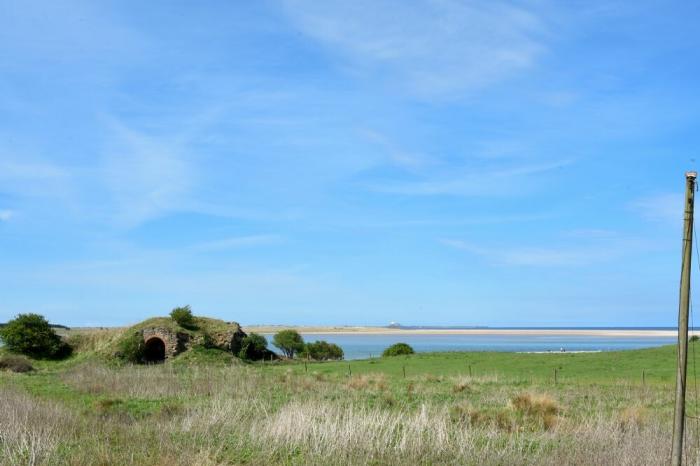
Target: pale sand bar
[{"x": 475, "y": 331}]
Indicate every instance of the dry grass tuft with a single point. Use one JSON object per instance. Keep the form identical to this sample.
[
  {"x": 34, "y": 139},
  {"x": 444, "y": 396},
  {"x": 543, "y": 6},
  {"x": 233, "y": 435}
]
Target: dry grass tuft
[
  {"x": 358, "y": 382},
  {"x": 461, "y": 386},
  {"x": 368, "y": 381},
  {"x": 549, "y": 421},
  {"x": 537, "y": 404},
  {"x": 633, "y": 417},
  {"x": 410, "y": 390},
  {"x": 432, "y": 378},
  {"x": 538, "y": 410},
  {"x": 465, "y": 413}
]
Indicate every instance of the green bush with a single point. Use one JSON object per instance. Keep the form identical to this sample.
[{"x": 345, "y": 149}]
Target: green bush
[
  {"x": 253, "y": 347},
  {"x": 694, "y": 338},
  {"x": 183, "y": 316},
  {"x": 322, "y": 351},
  {"x": 398, "y": 349},
  {"x": 132, "y": 348},
  {"x": 15, "y": 363},
  {"x": 289, "y": 341},
  {"x": 31, "y": 334}
]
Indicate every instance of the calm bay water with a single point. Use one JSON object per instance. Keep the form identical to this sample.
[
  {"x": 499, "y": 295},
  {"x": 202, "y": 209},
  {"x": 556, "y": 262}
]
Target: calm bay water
[{"x": 359, "y": 346}]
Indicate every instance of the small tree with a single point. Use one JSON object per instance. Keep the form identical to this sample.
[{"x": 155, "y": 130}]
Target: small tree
[
  {"x": 31, "y": 334},
  {"x": 289, "y": 341},
  {"x": 323, "y": 351},
  {"x": 398, "y": 349},
  {"x": 183, "y": 316},
  {"x": 253, "y": 347}
]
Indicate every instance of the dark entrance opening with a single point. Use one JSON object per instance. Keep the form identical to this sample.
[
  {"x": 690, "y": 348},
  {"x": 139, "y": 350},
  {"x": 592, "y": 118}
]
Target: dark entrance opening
[{"x": 155, "y": 351}]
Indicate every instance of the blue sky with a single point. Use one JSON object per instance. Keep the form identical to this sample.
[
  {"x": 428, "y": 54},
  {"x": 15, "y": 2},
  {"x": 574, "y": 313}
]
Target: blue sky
[{"x": 438, "y": 162}]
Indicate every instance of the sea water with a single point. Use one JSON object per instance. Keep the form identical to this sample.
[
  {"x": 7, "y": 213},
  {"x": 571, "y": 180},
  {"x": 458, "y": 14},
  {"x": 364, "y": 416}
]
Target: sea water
[{"x": 360, "y": 346}]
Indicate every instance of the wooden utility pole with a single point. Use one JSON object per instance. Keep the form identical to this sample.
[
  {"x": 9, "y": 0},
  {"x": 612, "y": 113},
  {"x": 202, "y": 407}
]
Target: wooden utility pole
[{"x": 683, "y": 304}]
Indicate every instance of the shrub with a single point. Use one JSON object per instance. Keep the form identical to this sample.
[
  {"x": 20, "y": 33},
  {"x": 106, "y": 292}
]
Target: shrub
[
  {"x": 183, "y": 316},
  {"x": 253, "y": 347},
  {"x": 289, "y": 341},
  {"x": 237, "y": 342},
  {"x": 398, "y": 349},
  {"x": 206, "y": 341},
  {"x": 322, "y": 351},
  {"x": 15, "y": 363},
  {"x": 132, "y": 348},
  {"x": 694, "y": 338},
  {"x": 31, "y": 334}
]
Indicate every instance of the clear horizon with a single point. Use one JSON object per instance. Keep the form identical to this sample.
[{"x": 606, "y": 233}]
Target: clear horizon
[{"x": 346, "y": 163}]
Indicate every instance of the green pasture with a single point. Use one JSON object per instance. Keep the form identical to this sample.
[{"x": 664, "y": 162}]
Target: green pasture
[{"x": 654, "y": 365}]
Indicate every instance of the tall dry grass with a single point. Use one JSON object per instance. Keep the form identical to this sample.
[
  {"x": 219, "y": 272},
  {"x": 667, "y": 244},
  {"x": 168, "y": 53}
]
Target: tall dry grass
[
  {"x": 233, "y": 415},
  {"x": 30, "y": 430}
]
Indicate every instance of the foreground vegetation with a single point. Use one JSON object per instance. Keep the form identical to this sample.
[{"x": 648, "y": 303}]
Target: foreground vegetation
[{"x": 206, "y": 409}]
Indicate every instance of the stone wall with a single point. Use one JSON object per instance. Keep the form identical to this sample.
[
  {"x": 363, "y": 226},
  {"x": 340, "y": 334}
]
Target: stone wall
[
  {"x": 177, "y": 342},
  {"x": 174, "y": 342}
]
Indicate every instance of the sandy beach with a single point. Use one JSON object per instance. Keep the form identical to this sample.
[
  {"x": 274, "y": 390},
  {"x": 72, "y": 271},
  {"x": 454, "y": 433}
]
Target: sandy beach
[{"x": 350, "y": 330}]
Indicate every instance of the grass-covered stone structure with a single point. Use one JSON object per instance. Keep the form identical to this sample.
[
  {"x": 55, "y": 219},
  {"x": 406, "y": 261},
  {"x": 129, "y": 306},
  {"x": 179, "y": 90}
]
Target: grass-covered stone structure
[{"x": 162, "y": 338}]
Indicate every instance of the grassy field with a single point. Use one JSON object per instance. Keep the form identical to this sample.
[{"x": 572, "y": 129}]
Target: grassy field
[
  {"x": 210, "y": 409},
  {"x": 610, "y": 367}
]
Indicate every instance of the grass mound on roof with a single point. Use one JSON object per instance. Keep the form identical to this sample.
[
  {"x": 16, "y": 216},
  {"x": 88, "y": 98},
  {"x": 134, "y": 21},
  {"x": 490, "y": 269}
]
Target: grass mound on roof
[{"x": 202, "y": 333}]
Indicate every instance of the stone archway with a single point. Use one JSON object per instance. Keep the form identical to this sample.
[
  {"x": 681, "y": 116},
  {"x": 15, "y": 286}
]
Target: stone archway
[
  {"x": 172, "y": 343},
  {"x": 154, "y": 351}
]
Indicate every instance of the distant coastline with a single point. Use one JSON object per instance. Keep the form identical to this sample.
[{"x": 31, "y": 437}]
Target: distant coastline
[
  {"x": 440, "y": 330},
  {"x": 426, "y": 330}
]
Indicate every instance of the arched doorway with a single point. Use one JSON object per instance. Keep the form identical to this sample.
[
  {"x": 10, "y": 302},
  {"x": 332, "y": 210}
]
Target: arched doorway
[{"x": 155, "y": 350}]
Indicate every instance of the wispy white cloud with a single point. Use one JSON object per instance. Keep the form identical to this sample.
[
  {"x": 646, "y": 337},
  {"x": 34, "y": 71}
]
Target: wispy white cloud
[
  {"x": 484, "y": 182},
  {"x": 237, "y": 242},
  {"x": 146, "y": 175},
  {"x": 532, "y": 257},
  {"x": 665, "y": 208},
  {"x": 139, "y": 176},
  {"x": 434, "y": 48},
  {"x": 6, "y": 215},
  {"x": 24, "y": 175},
  {"x": 592, "y": 247},
  {"x": 410, "y": 160}
]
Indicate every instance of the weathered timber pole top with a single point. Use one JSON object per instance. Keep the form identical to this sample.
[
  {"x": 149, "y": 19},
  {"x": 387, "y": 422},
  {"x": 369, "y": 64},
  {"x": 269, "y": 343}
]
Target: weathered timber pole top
[{"x": 691, "y": 175}]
